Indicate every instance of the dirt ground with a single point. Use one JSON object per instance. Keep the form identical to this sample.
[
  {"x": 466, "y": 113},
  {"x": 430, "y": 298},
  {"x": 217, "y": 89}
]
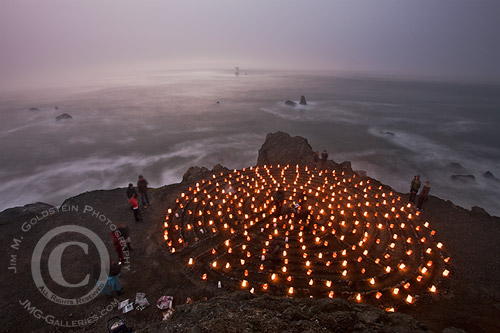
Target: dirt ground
[{"x": 472, "y": 302}]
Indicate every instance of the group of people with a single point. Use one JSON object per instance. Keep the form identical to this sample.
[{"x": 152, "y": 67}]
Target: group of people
[
  {"x": 133, "y": 197},
  {"x": 324, "y": 158},
  {"x": 424, "y": 193},
  {"x": 120, "y": 238}
]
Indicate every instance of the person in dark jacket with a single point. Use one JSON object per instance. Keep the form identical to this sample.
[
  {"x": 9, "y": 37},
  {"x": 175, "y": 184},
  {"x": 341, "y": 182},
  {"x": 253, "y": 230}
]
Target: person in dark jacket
[
  {"x": 135, "y": 208},
  {"x": 324, "y": 158},
  {"x": 131, "y": 191},
  {"x": 316, "y": 159},
  {"x": 424, "y": 194},
  {"x": 414, "y": 187},
  {"x": 142, "y": 187},
  {"x": 279, "y": 196},
  {"x": 123, "y": 229}
]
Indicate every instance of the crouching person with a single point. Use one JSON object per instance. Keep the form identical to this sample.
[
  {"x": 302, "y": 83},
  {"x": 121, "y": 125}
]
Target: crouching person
[{"x": 113, "y": 283}]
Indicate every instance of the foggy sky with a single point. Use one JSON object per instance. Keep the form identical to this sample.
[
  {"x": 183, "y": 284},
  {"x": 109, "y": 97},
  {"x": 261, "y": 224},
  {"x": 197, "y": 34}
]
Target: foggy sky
[{"x": 450, "y": 39}]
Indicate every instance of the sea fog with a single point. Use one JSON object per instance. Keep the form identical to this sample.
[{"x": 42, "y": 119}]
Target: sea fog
[{"x": 159, "y": 124}]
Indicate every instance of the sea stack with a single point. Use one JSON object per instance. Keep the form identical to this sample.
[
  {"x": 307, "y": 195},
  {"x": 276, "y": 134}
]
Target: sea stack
[{"x": 303, "y": 100}]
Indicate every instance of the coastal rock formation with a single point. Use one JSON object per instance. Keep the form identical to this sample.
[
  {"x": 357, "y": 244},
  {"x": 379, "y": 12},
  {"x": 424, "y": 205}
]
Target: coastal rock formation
[
  {"x": 219, "y": 168},
  {"x": 303, "y": 100},
  {"x": 281, "y": 148},
  {"x": 468, "y": 300},
  {"x": 34, "y": 109},
  {"x": 21, "y": 213},
  {"x": 456, "y": 167},
  {"x": 463, "y": 178},
  {"x": 292, "y": 103},
  {"x": 194, "y": 173},
  {"x": 64, "y": 116},
  {"x": 479, "y": 211},
  {"x": 490, "y": 176}
]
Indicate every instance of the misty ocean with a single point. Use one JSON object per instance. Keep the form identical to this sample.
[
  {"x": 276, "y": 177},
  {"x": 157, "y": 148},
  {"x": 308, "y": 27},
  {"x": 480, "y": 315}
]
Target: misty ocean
[{"x": 160, "y": 124}]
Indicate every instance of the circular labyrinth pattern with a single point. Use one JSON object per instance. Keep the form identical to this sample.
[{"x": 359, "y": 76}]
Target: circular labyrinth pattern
[{"x": 293, "y": 231}]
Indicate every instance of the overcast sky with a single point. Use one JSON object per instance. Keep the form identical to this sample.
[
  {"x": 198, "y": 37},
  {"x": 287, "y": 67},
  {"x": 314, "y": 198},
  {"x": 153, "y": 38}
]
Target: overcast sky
[{"x": 427, "y": 38}]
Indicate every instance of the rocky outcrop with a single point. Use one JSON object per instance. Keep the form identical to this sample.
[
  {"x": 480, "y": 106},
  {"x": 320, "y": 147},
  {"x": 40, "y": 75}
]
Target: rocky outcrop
[
  {"x": 64, "y": 116},
  {"x": 479, "y": 211},
  {"x": 194, "y": 173},
  {"x": 34, "y": 109},
  {"x": 292, "y": 103},
  {"x": 244, "y": 312},
  {"x": 490, "y": 176},
  {"x": 219, "y": 168},
  {"x": 388, "y": 133},
  {"x": 303, "y": 100},
  {"x": 21, "y": 213},
  {"x": 346, "y": 165},
  {"x": 463, "y": 178},
  {"x": 281, "y": 148}
]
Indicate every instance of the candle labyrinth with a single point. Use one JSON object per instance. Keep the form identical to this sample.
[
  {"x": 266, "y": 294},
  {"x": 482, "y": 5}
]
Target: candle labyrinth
[{"x": 294, "y": 231}]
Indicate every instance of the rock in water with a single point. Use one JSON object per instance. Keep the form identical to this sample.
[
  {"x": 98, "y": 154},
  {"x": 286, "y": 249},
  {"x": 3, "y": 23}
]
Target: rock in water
[
  {"x": 464, "y": 178},
  {"x": 64, "y": 116},
  {"x": 303, "y": 100},
  {"x": 456, "y": 167},
  {"x": 281, "y": 148},
  {"x": 34, "y": 109},
  {"x": 489, "y": 175},
  {"x": 290, "y": 103}
]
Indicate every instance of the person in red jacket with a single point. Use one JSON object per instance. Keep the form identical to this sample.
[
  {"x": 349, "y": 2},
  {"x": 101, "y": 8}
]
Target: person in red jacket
[
  {"x": 115, "y": 238},
  {"x": 135, "y": 208}
]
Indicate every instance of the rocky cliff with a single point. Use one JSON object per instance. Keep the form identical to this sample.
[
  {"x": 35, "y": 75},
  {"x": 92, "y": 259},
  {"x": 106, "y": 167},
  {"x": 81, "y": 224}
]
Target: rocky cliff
[{"x": 470, "y": 301}]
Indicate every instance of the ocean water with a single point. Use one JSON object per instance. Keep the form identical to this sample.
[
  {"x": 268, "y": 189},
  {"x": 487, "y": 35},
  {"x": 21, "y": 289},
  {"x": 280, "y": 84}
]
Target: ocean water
[{"x": 159, "y": 124}]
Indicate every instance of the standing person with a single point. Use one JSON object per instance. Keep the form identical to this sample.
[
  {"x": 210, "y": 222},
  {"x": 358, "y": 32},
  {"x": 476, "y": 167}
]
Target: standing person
[
  {"x": 324, "y": 158},
  {"x": 113, "y": 282},
  {"x": 279, "y": 196},
  {"x": 316, "y": 159},
  {"x": 115, "y": 238},
  {"x": 126, "y": 235},
  {"x": 131, "y": 191},
  {"x": 135, "y": 208},
  {"x": 142, "y": 187},
  {"x": 414, "y": 187},
  {"x": 423, "y": 196}
]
